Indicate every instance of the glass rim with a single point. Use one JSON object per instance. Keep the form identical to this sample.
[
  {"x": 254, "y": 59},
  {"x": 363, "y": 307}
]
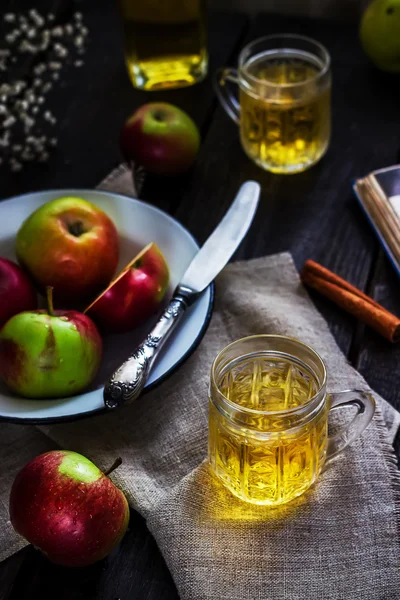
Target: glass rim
[
  {"x": 282, "y": 36},
  {"x": 303, "y": 408}
]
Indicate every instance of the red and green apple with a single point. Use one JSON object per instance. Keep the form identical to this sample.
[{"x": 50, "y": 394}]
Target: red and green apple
[
  {"x": 49, "y": 354},
  {"x": 160, "y": 137},
  {"x": 66, "y": 507},
  {"x": 71, "y": 245}
]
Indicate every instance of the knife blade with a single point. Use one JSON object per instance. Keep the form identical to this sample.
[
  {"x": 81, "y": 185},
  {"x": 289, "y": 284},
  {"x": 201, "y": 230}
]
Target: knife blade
[
  {"x": 223, "y": 242},
  {"x": 128, "y": 381}
]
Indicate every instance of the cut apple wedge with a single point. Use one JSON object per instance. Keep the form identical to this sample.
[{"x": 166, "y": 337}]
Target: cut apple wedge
[{"x": 134, "y": 295}]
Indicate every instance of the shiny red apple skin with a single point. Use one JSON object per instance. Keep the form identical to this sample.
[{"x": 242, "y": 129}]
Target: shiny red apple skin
[
  {"x": 160, "y": 137},
  {"x": 71, "y": 245},
  {"x": 75, "y": 517},
  {"x": 17, "y": 293},
  {"x": 134, "y": 295}
]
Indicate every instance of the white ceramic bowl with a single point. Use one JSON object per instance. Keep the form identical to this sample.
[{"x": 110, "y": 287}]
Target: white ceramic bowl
[{"x": 138, "y": 224}]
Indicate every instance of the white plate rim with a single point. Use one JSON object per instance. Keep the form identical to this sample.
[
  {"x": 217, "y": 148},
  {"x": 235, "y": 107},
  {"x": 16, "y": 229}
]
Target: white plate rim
[{"x": 194, "y": 345}]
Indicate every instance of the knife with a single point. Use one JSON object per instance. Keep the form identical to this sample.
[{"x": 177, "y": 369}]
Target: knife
[{"x": 128, "y": 381}]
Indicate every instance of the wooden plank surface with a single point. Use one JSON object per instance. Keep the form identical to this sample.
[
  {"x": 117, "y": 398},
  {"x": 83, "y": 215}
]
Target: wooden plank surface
[
  {"x": 313, "y": 214},
  {"x": 133, "y": 570},
  {"x": 376, "y": 360},
  {"x": 92, "y": 103},
  {"x": 346, "y": 10}
]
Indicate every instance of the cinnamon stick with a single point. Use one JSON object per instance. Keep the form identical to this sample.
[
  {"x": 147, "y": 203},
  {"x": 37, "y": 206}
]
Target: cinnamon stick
[{"x": 351, "y": 299}]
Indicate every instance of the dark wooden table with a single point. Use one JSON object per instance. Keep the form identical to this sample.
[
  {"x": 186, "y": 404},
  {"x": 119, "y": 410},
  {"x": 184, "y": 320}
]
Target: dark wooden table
[{"x": 313, "y": 214}]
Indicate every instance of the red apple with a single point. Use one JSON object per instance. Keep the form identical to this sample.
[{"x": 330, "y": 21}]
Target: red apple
[
  {"x": 65, "y": 506},
  {"x": 16, "y": 291},
  {"x": 71, "y": 245},
  {"x": 49, "y": 354},
  {"x": 135, "y": 294},
  {"x": 160, "y": 137}
]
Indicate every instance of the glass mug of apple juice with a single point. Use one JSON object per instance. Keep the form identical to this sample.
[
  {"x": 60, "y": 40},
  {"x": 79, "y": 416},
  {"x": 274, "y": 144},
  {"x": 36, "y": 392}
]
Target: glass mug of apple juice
[
  {"x": 165, "y": 42},
  {"x": 284, "y": 101},
  {"x": 268, "y": 418}
]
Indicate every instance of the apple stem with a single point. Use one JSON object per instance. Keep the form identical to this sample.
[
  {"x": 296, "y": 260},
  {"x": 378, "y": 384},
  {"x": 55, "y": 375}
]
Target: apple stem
[
  {"x": 117, "y": 462},
  {"x": 49, "y": 295}
]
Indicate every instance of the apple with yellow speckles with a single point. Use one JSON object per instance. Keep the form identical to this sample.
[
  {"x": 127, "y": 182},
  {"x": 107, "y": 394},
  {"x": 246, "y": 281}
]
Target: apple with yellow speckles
[
  {"x": 66, "y": 507},
  {"x": 49, "y": 354},
  {"x": 71, "y": 245}
]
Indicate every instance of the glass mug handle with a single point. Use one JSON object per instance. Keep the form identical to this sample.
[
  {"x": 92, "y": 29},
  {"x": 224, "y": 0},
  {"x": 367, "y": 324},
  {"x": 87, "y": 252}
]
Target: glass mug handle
[
  {"x": 222, "y": 88},
  {"x": 365, "y": 405}
]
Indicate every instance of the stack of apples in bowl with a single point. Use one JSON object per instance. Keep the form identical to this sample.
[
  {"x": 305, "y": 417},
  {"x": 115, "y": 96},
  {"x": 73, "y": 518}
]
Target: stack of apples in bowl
[{"x": 68, "y": 251}]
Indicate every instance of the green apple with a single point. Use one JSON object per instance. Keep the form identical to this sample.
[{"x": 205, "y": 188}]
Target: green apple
[
  {"x": 65, "y": 506},
  {"x": 49, "y": 354},
  {"x": 380, "y": 34},
  {"x": 160, "y": 137}
]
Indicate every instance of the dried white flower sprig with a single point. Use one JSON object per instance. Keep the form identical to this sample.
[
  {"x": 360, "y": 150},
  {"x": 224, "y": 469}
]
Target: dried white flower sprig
[{"x": 32, "y": 56}]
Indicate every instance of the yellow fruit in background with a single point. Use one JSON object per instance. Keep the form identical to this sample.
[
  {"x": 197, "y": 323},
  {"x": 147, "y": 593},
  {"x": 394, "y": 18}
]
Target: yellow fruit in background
[{"x": 380, "y": 34}]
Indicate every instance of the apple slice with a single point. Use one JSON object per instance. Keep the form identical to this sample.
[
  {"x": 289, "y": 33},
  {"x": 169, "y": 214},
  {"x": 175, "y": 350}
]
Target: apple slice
[{"x": 134, "y": 295}]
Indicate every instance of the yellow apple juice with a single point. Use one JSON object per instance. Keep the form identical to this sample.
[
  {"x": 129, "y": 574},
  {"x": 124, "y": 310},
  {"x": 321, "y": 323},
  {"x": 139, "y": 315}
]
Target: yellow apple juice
[
  {"x": 165, "y": 42},
  {"x": 266, "y": 460},
  {"x": 285, "y": 113}
]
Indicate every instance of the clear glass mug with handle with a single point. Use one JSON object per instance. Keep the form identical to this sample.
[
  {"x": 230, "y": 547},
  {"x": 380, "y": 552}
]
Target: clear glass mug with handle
[
  {"x": 283, "y": 110},
  {"x": 268, "y": 418}
]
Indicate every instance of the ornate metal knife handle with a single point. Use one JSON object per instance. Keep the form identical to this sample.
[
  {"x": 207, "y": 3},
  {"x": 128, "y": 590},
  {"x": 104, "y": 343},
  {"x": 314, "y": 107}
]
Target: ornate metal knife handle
[{"x": 127, "y": 383}]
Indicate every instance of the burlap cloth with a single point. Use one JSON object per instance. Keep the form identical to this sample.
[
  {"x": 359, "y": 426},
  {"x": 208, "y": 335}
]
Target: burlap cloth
[{"x": 339, "y": 541}]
